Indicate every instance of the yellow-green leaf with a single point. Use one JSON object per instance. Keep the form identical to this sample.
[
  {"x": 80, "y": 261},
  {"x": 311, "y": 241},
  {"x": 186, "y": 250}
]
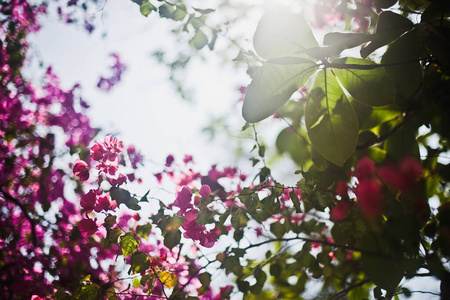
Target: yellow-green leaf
[{"x": 168, "y": 279}]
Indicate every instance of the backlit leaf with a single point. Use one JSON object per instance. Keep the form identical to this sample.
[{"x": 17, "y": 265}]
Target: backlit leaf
[
  {"x": 272, "y": 86},
  {"x": 199, "y": 40},
  {"x": 372, "y": 87},
  {"x": 330, "y": 119},
  {"x": 128, "y": 243},
  {"x": 281, "y": 33},
  {"x": 147, "y": 8},
  {"x": 390, "y": 26},
  {"x": 168, "y": 279}
]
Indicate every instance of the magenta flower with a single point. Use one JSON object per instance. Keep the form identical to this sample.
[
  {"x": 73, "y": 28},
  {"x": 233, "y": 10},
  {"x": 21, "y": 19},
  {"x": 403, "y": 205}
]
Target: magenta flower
[
  {"x": 89, "y": 200},
  {"x": 87, "y": 227},
  {"x": 205, "y": 191},
  {"x": 81, "y": 170},
  {"x": 183, "y": 200},
  {"x": 97, "y": 152}
]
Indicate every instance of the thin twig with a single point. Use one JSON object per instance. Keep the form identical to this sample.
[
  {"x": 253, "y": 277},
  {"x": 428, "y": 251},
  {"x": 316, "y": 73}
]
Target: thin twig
[{"x": 345, "y": 291}]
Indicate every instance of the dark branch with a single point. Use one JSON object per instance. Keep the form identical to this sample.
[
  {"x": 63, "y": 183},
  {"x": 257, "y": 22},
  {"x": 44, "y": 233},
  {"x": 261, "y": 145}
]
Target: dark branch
[
  {"x": 345, "y": 291},
  {"x": 10, "y": 198}
]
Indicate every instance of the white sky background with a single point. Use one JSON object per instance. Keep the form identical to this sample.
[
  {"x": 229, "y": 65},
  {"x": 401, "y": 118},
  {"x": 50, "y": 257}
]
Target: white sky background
[{"x": 143, "y": 109}]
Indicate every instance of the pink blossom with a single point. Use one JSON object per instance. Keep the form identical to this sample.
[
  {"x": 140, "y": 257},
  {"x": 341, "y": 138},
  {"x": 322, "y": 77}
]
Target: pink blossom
[
  {"x": 370, "y": 198},
  {"x": 81, "y": 170},
  {"x": 365, "y": 169},
  {"x": 169, "y": 160},
  {"x": 87, "y": 227},
  {"x": 103, "y": 203},
  {"x": 89, "y": 200},
  {"x": 205, "y": 191},
  {"x": 97, "y": 152},
  {"x": 183, "y": 200},
  {"x": 340, "y": 211},
  {"x": 187, "y": 159}
]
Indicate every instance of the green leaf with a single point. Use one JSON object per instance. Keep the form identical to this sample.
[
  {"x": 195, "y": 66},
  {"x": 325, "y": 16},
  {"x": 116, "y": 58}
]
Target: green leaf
[
  {"x": 180, "y": 13},
  {"x": 199, "y": 40},
  {"x": 402, "y": 143},
  {"x": 147, "y": 8},
  {"x": 295, "y": 201},
  {"x": 89, "y": 292},
  {"x": 372, "y": 87},
  {"x": 128, "y": 243},
  {"x": 390, "y": 26},
  {"x": 281, "y": 33},
  {"x": 205, "y": 279},
  {"x": 204, "y": 11},
  {"x": 110, "y": 221},
  {"x": 290, "y": 142},
  {"x": 386, "y": 272},
  {"x": 166, "y": 11},
  {"x": 271, "y": 87},
  {"x": 172, "y": 239},
  {"x": 144, "y": 230},
  {"x": 330, "y": 119},
  {"x": 278, "y": 229},
  {"x": 407, "y": 74},
  {"x": 337, "y": 41},
  {"x": 139, "y": 262}
]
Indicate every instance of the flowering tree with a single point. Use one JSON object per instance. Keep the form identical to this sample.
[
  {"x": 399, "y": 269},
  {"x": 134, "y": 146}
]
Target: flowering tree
[{"x": 369, "y": 210}]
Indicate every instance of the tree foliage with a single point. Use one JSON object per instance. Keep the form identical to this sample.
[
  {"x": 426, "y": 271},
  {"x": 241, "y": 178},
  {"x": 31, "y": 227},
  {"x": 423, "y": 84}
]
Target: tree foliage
[{"x": 369, "y": 210}]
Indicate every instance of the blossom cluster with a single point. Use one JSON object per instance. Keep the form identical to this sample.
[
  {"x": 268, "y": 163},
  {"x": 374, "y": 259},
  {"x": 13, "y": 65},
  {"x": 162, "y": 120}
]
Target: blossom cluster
[
  {"x": 106, "y": 156},
  {"x": 373, "y": 184}
]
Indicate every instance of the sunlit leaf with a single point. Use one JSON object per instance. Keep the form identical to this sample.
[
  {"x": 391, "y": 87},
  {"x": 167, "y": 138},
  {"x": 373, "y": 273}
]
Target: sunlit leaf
[
  {"x": 199, "y": 40},
  {"x": 168, "y": 279},
  {"x": 128, "y": 243},
  {"x": 331, "y": 121},
  {"x": 143, "y": 230},
  {"x": 271, "y": 87},
  {"x": 281, "y": 33},
  {"x": 372, "y": 87},
  {"x": 147, "y": 8}
]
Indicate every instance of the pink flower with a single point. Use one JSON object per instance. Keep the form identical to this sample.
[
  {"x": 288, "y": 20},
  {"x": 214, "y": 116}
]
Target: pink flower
[
  {"x": 342, "y": 189},
  {"x": 208, "y": 239},
  {"x": 365, "y": 169},
  {"x": 183, "y": 200},
  {"x": 88, "y": 201},
  {"x": 87, "y": 227},
  {"x": 370, "y": 198},
  {"x": 205, "y": 191},
  {"x": 103, "y": 203},
  {"x": 187, "y": 159},
  {"x": 169, "y": 160},
  {"x": 121, "y": 179},
  {"x": 97, "y": 152},
  {"x": 340, "y": 211},
  {"x": 135, "y": 157},
  {"x": 81, "y": 170}
]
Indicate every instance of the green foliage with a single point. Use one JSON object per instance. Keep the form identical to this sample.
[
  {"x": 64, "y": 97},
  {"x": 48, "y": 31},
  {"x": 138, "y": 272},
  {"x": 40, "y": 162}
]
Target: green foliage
[
  {"x": 330, "y": 119},
  {"x": 128, "y": 243}
]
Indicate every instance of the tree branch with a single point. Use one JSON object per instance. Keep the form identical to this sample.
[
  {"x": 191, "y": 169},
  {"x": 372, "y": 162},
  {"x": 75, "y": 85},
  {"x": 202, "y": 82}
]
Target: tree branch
[
  {"x": 10, "y": 198},
  {"x": 345, "y": 291}
]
